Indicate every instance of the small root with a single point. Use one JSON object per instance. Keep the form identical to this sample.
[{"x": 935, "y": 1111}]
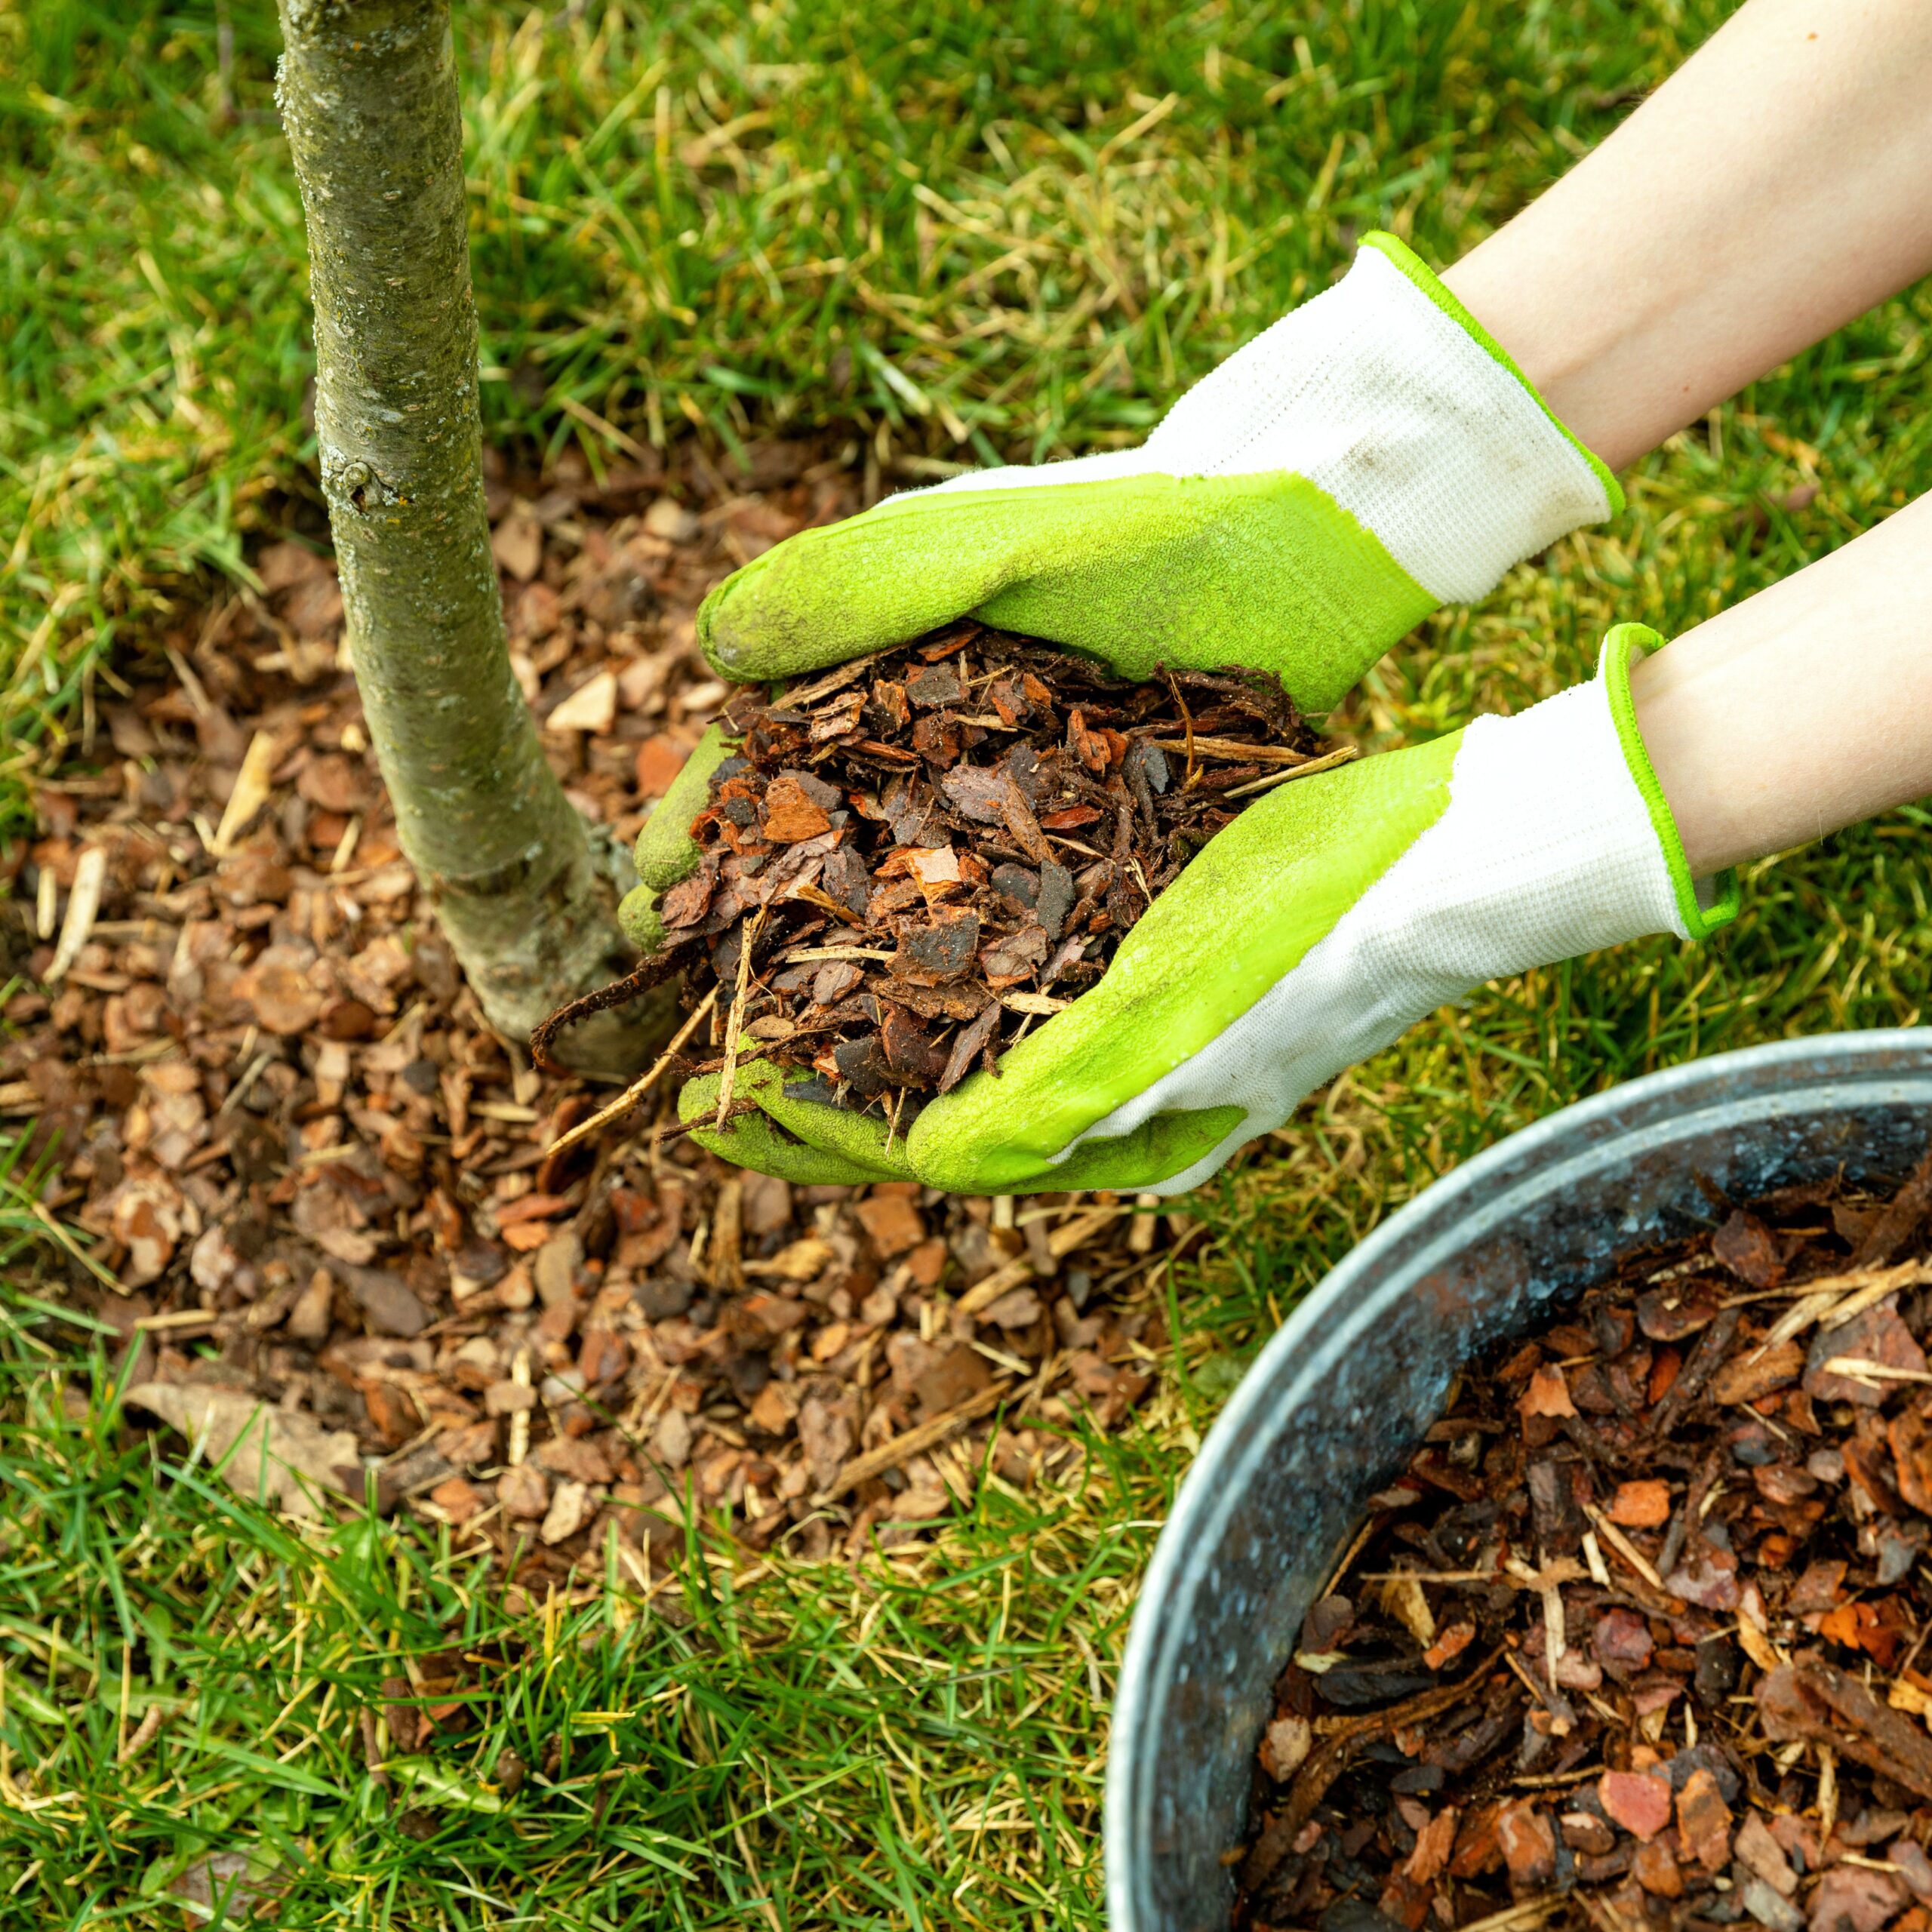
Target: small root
[{"x": 651, "y": 970}]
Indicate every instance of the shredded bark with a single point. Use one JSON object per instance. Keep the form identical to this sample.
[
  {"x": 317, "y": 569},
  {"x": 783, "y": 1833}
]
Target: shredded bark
[
  {"x": 1686, "y": 1524},
  {"x": 947, "y": 843}
]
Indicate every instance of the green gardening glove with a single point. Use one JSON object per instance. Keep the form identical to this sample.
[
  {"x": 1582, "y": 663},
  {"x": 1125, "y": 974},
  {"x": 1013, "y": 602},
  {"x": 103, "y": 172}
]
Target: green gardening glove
[
  {"x": 1310, "y": 932},
  {"x": 1372, "y": 455}
]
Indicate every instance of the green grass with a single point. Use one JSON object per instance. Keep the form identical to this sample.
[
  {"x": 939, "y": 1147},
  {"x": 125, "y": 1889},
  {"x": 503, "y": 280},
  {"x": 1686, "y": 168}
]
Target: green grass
[
  {"x": 903, "y": 1746},
  {"x": 959, "y": 228},
  {"x": 1011, "y": 258}
]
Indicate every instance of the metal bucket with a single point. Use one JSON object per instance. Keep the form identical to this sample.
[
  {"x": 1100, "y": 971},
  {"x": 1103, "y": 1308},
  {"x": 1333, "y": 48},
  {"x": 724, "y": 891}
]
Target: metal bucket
[{"x": 1337, "y": 1400}]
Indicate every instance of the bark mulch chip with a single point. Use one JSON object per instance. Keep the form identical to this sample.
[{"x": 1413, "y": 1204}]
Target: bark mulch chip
[
  {"x": 1640, "y": 1637},
  {"x": 308, "y": 1175},
  {"x": 929, "y": 851}
]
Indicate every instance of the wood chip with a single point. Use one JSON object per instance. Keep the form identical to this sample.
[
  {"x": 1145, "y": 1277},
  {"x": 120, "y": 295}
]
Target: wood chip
[
  {"x": 252, "y": 791},
  {"x": 83, "y": 904}
]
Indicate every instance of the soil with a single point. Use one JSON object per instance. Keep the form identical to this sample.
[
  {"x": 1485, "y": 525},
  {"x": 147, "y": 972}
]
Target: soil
[
  {"x": 1639, "y": 1638},
  {"x": 929, "y": 851},
  {"x": 304, "y": 1172}
]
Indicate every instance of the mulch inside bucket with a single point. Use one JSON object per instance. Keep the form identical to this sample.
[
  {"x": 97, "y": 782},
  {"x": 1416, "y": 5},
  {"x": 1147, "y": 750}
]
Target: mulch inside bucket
[{"x": 1641, "y": 1636}]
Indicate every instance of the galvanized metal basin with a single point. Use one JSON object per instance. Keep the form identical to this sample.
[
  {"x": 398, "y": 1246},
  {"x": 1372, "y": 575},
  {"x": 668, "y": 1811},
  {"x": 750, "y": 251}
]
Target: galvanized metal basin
[{"x": 1337, "y": 1399}]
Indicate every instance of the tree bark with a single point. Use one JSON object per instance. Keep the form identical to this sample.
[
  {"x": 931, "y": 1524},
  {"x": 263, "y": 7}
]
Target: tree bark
[{"x": 368, "y": 98}]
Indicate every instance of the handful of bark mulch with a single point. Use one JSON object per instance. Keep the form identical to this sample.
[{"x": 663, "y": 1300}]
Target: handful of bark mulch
[
  {"x": 1640, "y": 1637},
  {"x": 916, "y": 857}
]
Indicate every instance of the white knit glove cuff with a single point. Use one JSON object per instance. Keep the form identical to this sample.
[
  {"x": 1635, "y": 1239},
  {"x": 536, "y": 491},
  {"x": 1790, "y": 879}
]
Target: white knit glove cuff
[{"x": 1385, "y": 392}]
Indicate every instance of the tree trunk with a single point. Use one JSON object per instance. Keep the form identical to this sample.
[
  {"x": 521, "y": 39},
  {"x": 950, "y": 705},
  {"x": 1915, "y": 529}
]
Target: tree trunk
[{"x": 368, "y": 98}]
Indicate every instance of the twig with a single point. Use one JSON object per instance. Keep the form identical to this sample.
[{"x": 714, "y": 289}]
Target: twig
[
  {"x": 636, "y": 1091},
  {"x": 1236, "y": 751},
  {"x": 736, "y": 1020},
  {"x": 1312, "y": 1781},
  {"x": 1520, "y": 1917},
  {"x": 652, "y": 969},
  {"x": 60, "y": 1232},
  {"x": 252, "y": 788},
  {"x": 1857, "y": 1368},
  {"x": 1623, "y": 1546},
  {"x": 1834, "y": 1299},
  {"x": 1187, "y": 722},
  {"x": 83, "y": 905},
  {"x": 1342, "y": 754},
  {"x": 903, "y": 1448}
]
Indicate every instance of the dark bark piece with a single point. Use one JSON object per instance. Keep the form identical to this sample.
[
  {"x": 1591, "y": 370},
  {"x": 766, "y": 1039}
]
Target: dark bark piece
[
  {"x": 1713, "y": 1346},
  {"x": 910, "y": 1055},
  {"x": 1670, "y": 1313},
  {"x": 930, "y": 956},
  {"x": 1755, "y": 1373},
  {"x": 978, "y": 794},
  {"x": 1008, "y": 961},
  {"x": 1327, "y": 1764},
  {"x": 1017, "y": 884},
  {"x": 909, "y": 807},
  {"x": 834, "y": 982},
  {"x": 1018, "y": 816},
  {"x": 1900, "y": 1219},
  {"x": 966, "y": 1048},
  {"x": 1022, "y": 764},
  {"x": 1055, "y": 899},
  {"x": 963, "y": 999},
  {"x": 1822, "y": 1704},
  {"x": 1750, "y": 1250},
  {"x": 933, "y": 685},
  {"x": 862, "y": 1065},
  {"x": 845, "y": 879},
  {"x": 1876, "y": 1336},
  {"x": 938, "y": 737},
  {"x": 1910, "y": 1439},
  {"x": 686, "y": 904}
]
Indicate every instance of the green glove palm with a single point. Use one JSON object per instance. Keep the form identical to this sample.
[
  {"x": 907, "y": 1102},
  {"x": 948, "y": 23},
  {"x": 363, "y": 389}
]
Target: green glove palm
[{"x": 1317, "y": 928}]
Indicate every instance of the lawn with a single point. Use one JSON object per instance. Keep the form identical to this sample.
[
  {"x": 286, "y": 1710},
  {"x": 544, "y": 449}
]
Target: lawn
[{"x": 938, "y": 234}]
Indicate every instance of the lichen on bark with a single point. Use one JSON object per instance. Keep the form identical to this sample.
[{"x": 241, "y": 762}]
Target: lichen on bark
[{"x": 368, "y": 98}]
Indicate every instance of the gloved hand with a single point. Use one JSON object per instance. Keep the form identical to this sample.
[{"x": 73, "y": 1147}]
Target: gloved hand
[
  {"x": 1326, "y": 920},
  {"x": 1373, "y": 454}
]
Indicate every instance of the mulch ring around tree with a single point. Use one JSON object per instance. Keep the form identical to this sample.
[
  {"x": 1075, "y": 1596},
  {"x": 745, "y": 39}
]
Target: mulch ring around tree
[
  {"x": 304, "y": 1174},
  {"x": 1641, "y": 1637}
]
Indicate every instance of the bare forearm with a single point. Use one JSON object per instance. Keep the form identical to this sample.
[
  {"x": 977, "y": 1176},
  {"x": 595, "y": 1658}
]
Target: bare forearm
[
  {"x": 1806, "y": 709},
  {"x": 1774, "y": 187}
]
